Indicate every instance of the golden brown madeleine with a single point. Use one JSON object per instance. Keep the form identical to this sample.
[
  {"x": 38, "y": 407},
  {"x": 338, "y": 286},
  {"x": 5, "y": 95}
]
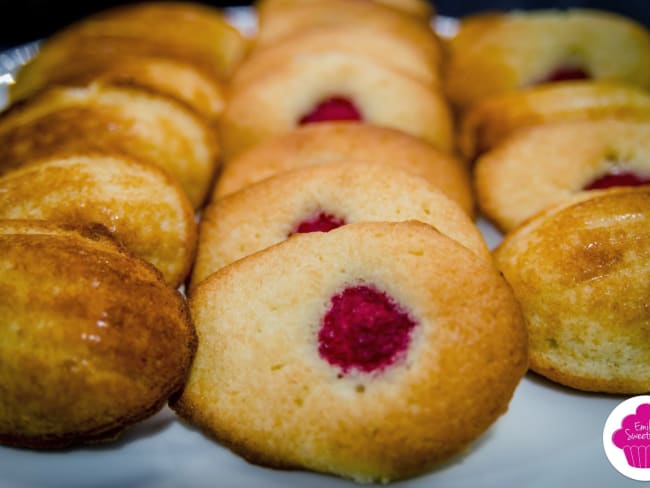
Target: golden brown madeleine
[
  {"x": 93, "y": 340},
  {"x": 183, "y": 31},
  {"x": 581, "y": 271},
  {"x": 171, "y": 78},
  {"x": 332, "y": 86},
  {"x": 421, "y": 9},
  {"x": 139, "y": 204},
  {"x": 101, "y": 59},
  {"x": 306, "y": 16},
  {"x": 540, "y": 166},
  {"x": 498, "y": 53},
  {"x": 107, "y": 119},
  {"x": 320, "y": 198},
  {"x": 396, "y": 52},
  {"x": 330, "y": 142},
  {"x": 192, "y": 31},
  {"x": 492, "y": 120},
  {"x": 280, "y": 379}
]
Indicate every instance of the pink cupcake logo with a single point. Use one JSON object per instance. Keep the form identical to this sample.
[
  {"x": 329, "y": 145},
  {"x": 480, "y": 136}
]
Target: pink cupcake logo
[
  {"x": 626, "y": 438},
  {"x": 634, "y": 437}
]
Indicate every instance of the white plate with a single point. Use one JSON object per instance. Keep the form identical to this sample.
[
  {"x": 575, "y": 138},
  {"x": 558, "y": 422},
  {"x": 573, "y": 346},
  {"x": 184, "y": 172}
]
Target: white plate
[{"x": 550, "y": 437}]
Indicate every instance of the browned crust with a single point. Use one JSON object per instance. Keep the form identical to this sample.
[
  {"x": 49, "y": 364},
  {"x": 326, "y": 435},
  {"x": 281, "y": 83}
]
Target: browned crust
[
  {"x": 580, "y": 271},
  {"x": 113, "y": 61},
  {"x": 102, "y": 119},
  {"x": 134, "y": 201},
  {"x": 183, "y": 31},
  {"x": 143, "y": 356}
]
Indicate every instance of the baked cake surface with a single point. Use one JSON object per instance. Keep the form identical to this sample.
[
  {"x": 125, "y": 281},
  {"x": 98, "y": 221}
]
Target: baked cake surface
[
  {"x": 133, "y": 122},
  {"x": 296, "y": 90},
  {"x": 197, "y": 35},
  {"x": 322, "y": 197},
  {"x": 93, "y": 338},
  {"x": 515, "y": 50},
  {"x": 278, "y": 376},
  {"x": 330, "y": 142},
  {"x": 580, "y": 271},
  {"x": 140, "y": 205},
  {"x": 493, "y": 119},
  {"x": 537, "y": 167}
]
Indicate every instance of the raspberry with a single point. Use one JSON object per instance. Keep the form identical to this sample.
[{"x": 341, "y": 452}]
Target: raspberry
[
  {"x": 323, "y": 222},
  {"x": 335, "y": 108},
  {"x": 566, "y": 73},
  {"x": 617, "y": 179},
  {"x": 364, "y": 330}
]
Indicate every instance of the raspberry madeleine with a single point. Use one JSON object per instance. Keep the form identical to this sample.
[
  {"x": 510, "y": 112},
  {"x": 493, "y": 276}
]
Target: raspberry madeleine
[
  {"x": 330, "y": 142},
  {"x": 321, "y": 198},
  {"x": 543, "y": 165},
  {"x": 143, "y": 125},
  {"x": 581, "y": 272},
  {"x": 333, "y": 86},
  {"x": 372, "y": 351},
  {"x": 490, "y": 121},
  {"x": 93, "y": 340},
  {"x": 140, "y": 205},
  {"x": 515, "y": 50}
]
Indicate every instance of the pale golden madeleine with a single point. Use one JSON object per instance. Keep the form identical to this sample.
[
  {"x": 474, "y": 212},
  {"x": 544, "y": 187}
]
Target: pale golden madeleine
[
  {"x": 330, "y": 142},
  {"x": 139, "y": 204},
  {"x": 497, "y": 53},
  {"x": 490, "y": 121},
  {"x": 322, "y": 197},
  {"x": 421, "y": 9},
  {"x": 537, "y": 167},
  {"x": 581, "y": 272},
  {"x": 396, "y": 52},
  {"x": 186, "y": 32},
  {"x": 273, "y": 380},
  {"x": 303, "y": 16},
  {"x": 93, "y": 340},
  {"x": 288, "y": 96},
  {"x": 145, "y": 126}
]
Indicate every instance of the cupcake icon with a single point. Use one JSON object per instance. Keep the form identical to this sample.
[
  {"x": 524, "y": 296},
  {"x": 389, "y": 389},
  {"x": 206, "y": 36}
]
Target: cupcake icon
[{"x": 633, "y": 437}]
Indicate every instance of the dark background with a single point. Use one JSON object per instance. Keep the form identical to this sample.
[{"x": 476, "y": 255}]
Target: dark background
[{"x": 27, "y": 20}]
